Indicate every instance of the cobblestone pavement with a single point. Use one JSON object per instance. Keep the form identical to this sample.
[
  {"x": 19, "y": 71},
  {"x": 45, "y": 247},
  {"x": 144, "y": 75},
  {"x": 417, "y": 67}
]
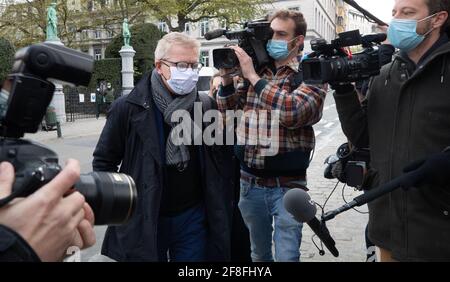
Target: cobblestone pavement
[{"x": 348, "y": 228}]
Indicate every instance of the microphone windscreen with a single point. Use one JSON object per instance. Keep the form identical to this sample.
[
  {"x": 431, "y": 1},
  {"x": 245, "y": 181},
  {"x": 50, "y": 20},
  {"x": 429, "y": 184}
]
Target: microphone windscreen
[
  {"x": 214, "y": 34},
  {"x": 298, "y": 203}
]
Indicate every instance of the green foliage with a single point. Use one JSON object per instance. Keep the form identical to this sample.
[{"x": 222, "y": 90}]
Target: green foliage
[
  {"x": 144, "y": 38},
  {"x": 109, "y": 70},
  {"x": 6, "y": 58},
  {"x": 191, "y": 11}
]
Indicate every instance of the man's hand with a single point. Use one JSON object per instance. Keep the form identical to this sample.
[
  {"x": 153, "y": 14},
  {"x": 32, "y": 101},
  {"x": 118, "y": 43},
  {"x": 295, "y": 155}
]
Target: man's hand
[
  {"x": 342, "y": 88},
  {"x": 433, "y": 170},
  {"x": 48, "y": 220},
  {"x": 247, "y": 67}
]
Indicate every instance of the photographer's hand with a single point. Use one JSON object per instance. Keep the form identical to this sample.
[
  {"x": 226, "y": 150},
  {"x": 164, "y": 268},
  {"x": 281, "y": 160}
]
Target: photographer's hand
[
  {"x": 247, "y": 67},
  {"x": 48, "y": 220}
]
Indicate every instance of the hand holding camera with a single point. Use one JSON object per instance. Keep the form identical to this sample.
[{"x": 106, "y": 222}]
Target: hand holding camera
[
  {"x": 38, "y": 198},
  {"x": 246, "y": 64},
  {"x": 53, "y": 218}
]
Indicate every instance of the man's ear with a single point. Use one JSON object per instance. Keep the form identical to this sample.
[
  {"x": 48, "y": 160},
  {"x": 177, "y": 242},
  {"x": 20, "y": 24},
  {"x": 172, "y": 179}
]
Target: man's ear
[
  {"x": 158, "y": 67},
  {"x": 300, "y": 41},
  {"x": 441, "y": 19}
]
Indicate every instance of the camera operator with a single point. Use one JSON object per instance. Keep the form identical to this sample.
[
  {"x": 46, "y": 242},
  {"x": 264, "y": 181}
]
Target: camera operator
[
  {"x": 265, "y": 180},
  {"x": 404, "y": 118},
  {"x": 44, "y": 225}
]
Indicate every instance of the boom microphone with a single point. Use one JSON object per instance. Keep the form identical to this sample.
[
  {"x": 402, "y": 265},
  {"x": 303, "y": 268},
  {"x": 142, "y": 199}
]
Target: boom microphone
[
  {"x": 298, "y": 203},
  {"x": 215, "y": 34}
]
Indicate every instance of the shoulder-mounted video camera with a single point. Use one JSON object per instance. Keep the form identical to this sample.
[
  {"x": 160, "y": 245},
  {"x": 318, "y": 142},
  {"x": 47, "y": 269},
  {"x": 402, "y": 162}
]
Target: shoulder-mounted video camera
[
  {"x": 348, "y": 165},
  {"x": 331, "y": 63},
  {"x": 24, "y": 98},
  {"x": 253, "y": 39}
]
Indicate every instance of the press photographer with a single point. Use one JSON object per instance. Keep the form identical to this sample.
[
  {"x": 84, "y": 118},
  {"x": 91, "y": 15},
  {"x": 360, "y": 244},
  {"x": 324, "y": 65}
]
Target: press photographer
[
  {"x": 405, "y": 118},
  {"x": 24, "y": 98},
  {"x": 276, "y": 86}
]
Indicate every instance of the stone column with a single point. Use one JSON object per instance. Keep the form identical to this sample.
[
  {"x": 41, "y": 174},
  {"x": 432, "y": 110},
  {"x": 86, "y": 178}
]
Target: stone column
[
  {"x": 127, "y": 53},
  {"x": 58, "y": 101}
]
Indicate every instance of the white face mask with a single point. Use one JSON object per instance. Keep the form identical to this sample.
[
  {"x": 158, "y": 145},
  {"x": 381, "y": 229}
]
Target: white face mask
[{"x": 182, "y": 82}]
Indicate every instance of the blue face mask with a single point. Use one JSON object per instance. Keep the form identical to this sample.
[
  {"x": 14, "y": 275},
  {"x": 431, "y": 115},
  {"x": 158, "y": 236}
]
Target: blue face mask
[
  {"x": 278, "y": 49},
  {"x": 403, "y": 33}
]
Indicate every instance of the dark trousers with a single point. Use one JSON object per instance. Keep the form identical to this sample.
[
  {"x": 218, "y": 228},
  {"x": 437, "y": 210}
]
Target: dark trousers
[
  {"x": 240, "y": 236},
  {"x": 183, "y": 238}
]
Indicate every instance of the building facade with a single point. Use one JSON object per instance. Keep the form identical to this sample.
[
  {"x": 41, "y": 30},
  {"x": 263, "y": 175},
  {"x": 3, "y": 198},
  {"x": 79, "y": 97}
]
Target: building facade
[
  {"x": 356, "y": 20},
  {"x": 341, "y": 16}
]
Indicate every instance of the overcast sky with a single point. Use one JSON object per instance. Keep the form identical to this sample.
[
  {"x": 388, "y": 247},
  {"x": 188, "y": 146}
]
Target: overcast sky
[{"x": 380, "y": 8}]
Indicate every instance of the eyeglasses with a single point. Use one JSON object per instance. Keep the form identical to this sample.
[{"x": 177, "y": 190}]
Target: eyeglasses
[{"x": 183, "y": 66}]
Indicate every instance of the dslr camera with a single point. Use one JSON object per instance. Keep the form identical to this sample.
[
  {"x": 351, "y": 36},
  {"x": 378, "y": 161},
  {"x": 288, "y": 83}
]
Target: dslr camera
[
  {"x": 349, "y": 165},
  {"x": 252, "y": 39},
  {"x": 24, "y": 98},
  {"x": 330, "y": 63}
]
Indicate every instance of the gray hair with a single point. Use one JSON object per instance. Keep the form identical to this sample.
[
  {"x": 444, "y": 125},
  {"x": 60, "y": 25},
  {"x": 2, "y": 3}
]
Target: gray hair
[{"x": 174, "y": 38}]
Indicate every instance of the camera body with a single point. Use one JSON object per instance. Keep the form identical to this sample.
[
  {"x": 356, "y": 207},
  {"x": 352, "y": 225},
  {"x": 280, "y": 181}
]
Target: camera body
[
  {"x": 348, "y": 165},
  {"x": 252, "y": 39},
  {"x": 24, "y": 98},
  {"x": 330, "y": 63}
]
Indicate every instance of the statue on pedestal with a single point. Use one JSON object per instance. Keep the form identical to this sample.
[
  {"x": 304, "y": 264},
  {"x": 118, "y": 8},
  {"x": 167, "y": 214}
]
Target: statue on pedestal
[
  {"x": 126, "y": 33},
  {"x": 52, "y": 23}
]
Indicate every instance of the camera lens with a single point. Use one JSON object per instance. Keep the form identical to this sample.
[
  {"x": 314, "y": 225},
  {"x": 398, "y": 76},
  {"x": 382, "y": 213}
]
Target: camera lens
[{"x": 112, "y": 196}]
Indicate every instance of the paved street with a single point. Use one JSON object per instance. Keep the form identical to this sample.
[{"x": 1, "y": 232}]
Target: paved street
[{"x": 347, "y": 229}]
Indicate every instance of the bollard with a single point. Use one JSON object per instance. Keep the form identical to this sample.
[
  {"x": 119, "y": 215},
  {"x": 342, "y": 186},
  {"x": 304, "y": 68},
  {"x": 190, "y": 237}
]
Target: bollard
[{"x": 58, "y": 129}]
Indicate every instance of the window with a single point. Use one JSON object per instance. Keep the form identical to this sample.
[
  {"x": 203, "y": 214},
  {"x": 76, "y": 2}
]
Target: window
[
  {"x": 84, "y": 35},
  {"x": 187, "y": 28},
  {"x": 204, "y": 58},
  {"x": 223, "y": 24},
  {"x": 162, "y": 26},
  {"x": 204, "y": 27},
  {"x": 91, "y": 6},
  {"x": 97, "y": 34},
  {"x": 97, "y": 53}
]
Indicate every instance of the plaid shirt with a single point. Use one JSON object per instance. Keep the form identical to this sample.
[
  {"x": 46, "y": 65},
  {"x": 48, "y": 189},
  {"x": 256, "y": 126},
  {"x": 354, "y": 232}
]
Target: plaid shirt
[{"x": 298, "y": 110}]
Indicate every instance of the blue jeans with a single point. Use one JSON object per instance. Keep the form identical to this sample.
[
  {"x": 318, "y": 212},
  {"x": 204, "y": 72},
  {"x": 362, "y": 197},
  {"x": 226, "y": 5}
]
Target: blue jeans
[
  {"x": 260, "y": 207},
  {"x": 182, "y": 238}
]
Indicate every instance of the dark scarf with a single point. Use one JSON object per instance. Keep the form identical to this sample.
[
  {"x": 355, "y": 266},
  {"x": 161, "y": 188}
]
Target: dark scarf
[{"x": 176, "y": 155}]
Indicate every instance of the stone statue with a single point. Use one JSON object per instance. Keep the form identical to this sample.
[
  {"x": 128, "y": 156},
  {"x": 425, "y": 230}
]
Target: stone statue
[
  {"x": 52, "y": 23},
  {"x": 126, "y": 33}
]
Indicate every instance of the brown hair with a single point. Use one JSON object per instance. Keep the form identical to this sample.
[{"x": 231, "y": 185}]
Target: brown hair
[
  {"x": 436, "y": 6},
  {"x": 297, "y": 17}
]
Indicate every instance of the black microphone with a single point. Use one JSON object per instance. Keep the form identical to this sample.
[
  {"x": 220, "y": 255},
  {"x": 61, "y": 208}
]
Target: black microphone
[
  {"x": 376, "y": 37},
  {"x": 215, "y": 34},
  {"x": 298, "y": 203},
  {"x": 405, "y": 180}
]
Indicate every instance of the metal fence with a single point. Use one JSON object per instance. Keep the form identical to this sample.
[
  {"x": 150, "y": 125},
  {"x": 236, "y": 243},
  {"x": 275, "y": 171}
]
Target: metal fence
[{"x": 81, "y": 103}]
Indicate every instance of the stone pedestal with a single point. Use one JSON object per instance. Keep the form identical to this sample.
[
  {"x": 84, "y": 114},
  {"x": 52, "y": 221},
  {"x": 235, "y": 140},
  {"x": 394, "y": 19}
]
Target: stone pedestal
[
  {"x": 59, "y": 101},
  {"x": 127, "y": 53}
]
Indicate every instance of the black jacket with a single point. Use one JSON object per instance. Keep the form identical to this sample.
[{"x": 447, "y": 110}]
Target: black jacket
[
  {"x": 130, "y": 139},
  {"x": 14, "y": 249},
  {"x": 405, "y": 118}
]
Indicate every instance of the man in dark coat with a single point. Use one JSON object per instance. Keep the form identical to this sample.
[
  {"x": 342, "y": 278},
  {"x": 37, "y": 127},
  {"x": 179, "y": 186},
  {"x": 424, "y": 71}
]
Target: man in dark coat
[
  {"x": 184, "y": 205},
  {"x": 405, "y": 118}
]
